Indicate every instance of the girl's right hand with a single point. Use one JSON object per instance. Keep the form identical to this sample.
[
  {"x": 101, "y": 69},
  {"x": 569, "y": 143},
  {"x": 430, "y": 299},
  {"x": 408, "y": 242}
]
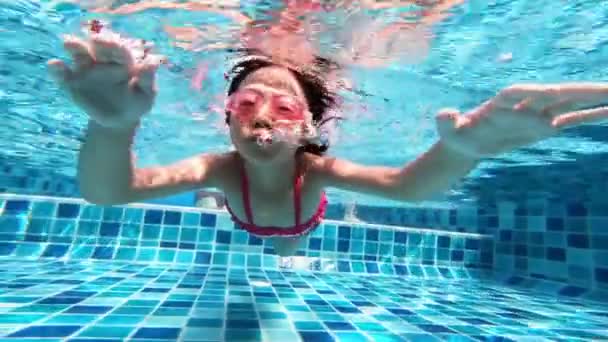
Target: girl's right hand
[{"x": 106, "y": 80}]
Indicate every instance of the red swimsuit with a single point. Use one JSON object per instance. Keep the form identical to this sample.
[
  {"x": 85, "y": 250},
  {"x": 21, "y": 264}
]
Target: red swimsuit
[{"x": 298, "y": 230}]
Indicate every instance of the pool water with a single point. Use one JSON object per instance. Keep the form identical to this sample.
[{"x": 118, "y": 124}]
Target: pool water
[
  {"x": 117, "y": 301},
  {"x": 505, "y": 269}
]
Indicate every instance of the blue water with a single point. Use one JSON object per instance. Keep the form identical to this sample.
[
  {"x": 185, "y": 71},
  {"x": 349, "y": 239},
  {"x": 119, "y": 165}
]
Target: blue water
[
  {"x": 547, "y": 43},
  {"x": 518, "y": 255}
]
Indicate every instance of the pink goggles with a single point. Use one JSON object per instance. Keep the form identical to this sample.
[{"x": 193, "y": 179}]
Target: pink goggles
[{"x": 245, "y": 103}]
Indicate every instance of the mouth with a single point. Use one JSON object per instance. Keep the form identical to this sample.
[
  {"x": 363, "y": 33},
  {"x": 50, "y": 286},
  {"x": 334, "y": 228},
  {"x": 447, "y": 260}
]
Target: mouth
[{"x": 262, "y": 137}]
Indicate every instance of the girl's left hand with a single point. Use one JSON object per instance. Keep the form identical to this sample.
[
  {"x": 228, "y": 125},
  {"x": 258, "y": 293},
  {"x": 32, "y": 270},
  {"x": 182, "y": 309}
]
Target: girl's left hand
[{"x": 521, "y": 115}]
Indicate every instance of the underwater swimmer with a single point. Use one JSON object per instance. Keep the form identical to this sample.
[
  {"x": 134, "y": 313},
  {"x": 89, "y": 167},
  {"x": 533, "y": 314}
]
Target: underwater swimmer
[{"x": 274, "y": 187}]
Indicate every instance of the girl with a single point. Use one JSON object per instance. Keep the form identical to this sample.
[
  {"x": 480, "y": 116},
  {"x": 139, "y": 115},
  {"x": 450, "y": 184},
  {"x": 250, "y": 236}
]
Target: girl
[{"x": 274, "y": 188}]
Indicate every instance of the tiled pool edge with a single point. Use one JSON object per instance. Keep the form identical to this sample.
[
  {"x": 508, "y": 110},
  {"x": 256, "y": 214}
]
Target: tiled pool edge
[
  {"x": 71, "y": 228},
  {"x": 260, "y": 256}
]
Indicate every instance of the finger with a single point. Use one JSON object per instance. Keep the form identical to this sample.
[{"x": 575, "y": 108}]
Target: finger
[
  {"x": 523, "y": 105},
  {"x": 450, "y": 119},
  {"x": 515, "y": 95},
  {"x": 79, "y": 50},
  {"x": 559, "y": 108},
  {"x": 60, "y": 72},
  {"x": 111, "y": 51},
  {"x": 587, "y": 91},
  {"x": 581, "y": 88},
  {"x": 580, "y": 117},
  {"x": 145, "y": 78}
]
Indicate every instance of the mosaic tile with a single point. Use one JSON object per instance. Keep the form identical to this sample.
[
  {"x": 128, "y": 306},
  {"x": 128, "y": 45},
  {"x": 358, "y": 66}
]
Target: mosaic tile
[
  {"x": 73, "y": 269},
  {"x": 309, "y": 306}
]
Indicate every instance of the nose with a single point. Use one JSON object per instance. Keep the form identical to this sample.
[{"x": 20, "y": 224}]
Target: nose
[
  {"x": 262, "y": 123},
  {"x": 262, "y": 118}
]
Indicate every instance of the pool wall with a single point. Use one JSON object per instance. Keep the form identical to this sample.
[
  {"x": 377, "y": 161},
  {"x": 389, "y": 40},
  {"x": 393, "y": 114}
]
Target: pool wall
[
  {"x": 45, "y": 227},
  {"x": 539, "y": 241}
]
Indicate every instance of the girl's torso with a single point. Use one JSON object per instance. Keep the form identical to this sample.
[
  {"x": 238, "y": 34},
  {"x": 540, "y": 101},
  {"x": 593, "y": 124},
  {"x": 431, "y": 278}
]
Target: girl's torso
[{"x": 268, "y": 208}]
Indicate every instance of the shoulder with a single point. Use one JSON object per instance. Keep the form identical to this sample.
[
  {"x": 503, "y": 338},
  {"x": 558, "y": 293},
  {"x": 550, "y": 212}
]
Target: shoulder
[
  {"x": 319, "y": 168},
  {"x": 216, "y": 168},
  {"x": 223, "y": 162}
]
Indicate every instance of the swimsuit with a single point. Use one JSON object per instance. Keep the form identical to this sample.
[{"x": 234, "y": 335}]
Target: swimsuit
[{"x": 298, "y": 229}]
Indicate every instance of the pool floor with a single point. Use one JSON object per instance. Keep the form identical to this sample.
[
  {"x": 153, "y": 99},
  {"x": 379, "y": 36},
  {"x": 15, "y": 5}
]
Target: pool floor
[{"x": 104, "y": 301}]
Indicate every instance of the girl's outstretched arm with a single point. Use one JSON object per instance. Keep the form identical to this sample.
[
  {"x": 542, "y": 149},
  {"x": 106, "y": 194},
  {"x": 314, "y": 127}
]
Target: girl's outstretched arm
[
  {"x": 107, "y": 173},
  {"x": 517, "y": 116},
  {"x": 431, "y": 173}
]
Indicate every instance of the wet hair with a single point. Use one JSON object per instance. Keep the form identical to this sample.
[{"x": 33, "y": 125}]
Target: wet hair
[{"x": 312, "y": 79}]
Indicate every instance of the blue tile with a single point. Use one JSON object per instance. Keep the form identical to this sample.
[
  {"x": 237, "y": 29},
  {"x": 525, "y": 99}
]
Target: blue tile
[
  {"x": 56, "y": 251},
  {"x": 131, "y": 231},
  {"x": 401, "y": 237},
  {"x": 86, "y": 228},
  {"x": 339, "y": 326},
  {"x": 170, "y": 233},
  {"x": 554, "y": 224},
  {"x": 43, "y": 209},
  {"x": 16, "y": 206},
  {"x": 347, "y": 309},
  {"x": 601, "y": 275},
  {"x": 158, "y": 333},
  {"x": 208, "y": 220},
  {"x": 457, "y": 255},
  {"x": 61, "y": 300},
  {"x": 89, "y": 309},
  {"x": 153, "y": 217},
  {"x": 328, "y": 245},
  {"x": 330, "y": 231},
  {"x": 401, "y": 270},
  {"x": 223, "y": 236},
  {"x": 248, "y": 335},
  {"x": 371, "y": 267},
  {"x": 133, "y": 215},
  {"x": 344, "y": 232},
  {"x": 308, "y": 325},
  {"x": 343, "y": 246},
  {"x": 203, "y": 258},
  {"x": 46, "y": 331},
  {"x": 242, "y": 324},
  {"x": 7, "y": 248},
  {"x": 113, "y": 214},
  {"x": 435, "y": 328},
  {"x": 151, "y": 232},
  {"x": 556, "y": 254},
  {"x": 471, "y": 244},
  {"x": 443, "y": 241},
  {"x": 68, "y": 210},
  {"x": 188, "y": 234},
  {"x": 109, "y": 229},
  {"x": 315, "y": 336},
  {"x": 314, "y": 244},
  {"x": 103, "y": 253},
  {"x": 351, "y": 337},
  {"x": 191, "y": 219},
  {"x": 578, "y": 240},
  {"x": 255, "y": 241},
  {"x": 572, "y": 291},
  {"x": 576, "y": 209},
  {"x": 371, "y": 234},
  {"x": 172, "y": 218}
]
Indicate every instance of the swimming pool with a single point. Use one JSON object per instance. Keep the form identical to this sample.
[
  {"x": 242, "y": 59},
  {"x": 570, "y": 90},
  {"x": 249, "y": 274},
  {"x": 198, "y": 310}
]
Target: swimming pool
[{"x": 518, "y": 252}]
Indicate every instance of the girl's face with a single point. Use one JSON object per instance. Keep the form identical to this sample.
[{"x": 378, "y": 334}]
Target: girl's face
[{"x": 269, "y": 114}]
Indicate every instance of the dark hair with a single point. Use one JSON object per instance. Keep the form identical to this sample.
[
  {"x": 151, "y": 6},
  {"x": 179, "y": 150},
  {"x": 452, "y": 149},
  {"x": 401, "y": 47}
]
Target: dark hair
[{"x": 312, "y": 80}]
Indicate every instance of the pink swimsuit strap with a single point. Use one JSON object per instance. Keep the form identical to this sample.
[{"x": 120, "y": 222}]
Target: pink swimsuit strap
[{"x": 298, "y": 229}]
